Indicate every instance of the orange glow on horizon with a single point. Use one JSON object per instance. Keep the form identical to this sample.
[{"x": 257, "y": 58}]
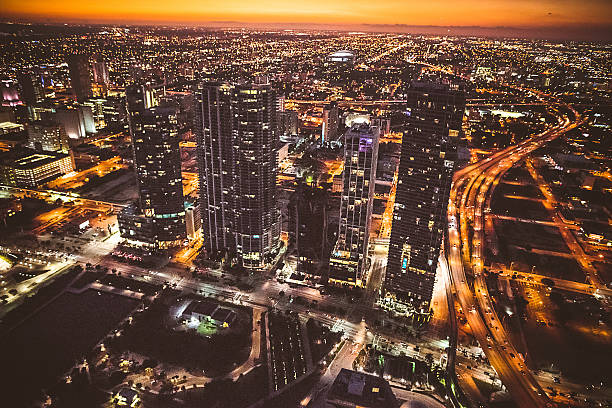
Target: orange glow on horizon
[{"x": 517, "y": 13}]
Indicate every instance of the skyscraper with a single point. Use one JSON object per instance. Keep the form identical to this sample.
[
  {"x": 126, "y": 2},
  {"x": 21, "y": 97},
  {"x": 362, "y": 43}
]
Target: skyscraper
[
  {"x": 100, "y": 76},
  {"x": 329, "y": 128},
  {"x": 157, "y": 162},
  {"x": 308, "y": 226},
  {"x": 287, "y": 124},
  {"x": 72, "y": 118},
  {"x": 80, "y": 79},
  {"x": 236, "y": 134},
  {"x": 31, "y": 87},
  {"x": 348, "y": 260},
  {"x": 428, "y": 155},
  {"x": 100, "y": 71}
]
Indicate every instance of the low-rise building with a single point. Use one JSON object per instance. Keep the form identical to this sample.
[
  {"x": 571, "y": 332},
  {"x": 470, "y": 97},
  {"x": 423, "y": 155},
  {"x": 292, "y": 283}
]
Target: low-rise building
[
  {"x": 126, "y": 397},
  {"x": 203, "y": 310},
  {"x": 352, "y": 389},
  {"x": 30, "y": 168},
  {"x": 12, "y": 135}
]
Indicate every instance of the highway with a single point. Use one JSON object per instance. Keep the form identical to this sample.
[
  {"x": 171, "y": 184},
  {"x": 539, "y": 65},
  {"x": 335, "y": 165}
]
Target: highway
[{"x": 469, "y": 202}]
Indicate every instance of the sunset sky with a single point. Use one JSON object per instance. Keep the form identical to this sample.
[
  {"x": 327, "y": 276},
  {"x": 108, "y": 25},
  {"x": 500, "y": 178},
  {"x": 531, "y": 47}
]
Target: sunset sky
[{"x": 484, "y": 13}]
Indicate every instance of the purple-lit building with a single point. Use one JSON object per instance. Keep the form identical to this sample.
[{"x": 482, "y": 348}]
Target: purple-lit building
[
  {"x": 348, "y": 260},
  {"x": 10, "y": 95}
]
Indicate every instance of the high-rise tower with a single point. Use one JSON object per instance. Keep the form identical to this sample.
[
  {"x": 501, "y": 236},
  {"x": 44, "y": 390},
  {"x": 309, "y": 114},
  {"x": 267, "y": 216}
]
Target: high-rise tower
[
  {"x": 329, "y": 129},
  {"x": 32, "y": 91},
  {"x": 348, "y": 261},
  {"x": 100, "y": 76},
  {"x": 80, "y": 76},
  {"x": 236, "y": 131},
  {"x": 157, "y": 162},
  {"x": 428, "y": 155}
]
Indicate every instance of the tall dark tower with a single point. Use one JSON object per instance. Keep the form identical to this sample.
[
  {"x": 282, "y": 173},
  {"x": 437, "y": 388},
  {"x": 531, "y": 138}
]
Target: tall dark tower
[
  {"x": 100, "y": 71},
  {"x": 31, "y": 87},
  {"x": 429, "y": 150},
  {"x": 236, "y": 132},
  {"x": 100, "y": 76},
  {"x": 80, "y": 76},
  {"x": 329, "y": 130},
  {"x": 157, "y": 162}
]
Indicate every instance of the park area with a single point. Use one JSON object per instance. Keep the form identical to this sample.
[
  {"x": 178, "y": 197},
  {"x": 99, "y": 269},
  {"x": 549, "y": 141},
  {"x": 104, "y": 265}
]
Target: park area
[
  {"x": 44, "y": 347},
  {"x": 203, "y": 348}
]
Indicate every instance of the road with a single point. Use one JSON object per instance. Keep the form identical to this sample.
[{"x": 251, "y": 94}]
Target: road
[
  {"x": 375, "y": 278},
  {"x": 469, "y": 202},
  {"x": 551, "y": 204},
  {"x": 530, "y": 221},
  {"x": 51, "y": 195},
  {"x": 317, "y": 398},
  {"x": 74, "y": 180},
  {"x": 570, "y": 286}
]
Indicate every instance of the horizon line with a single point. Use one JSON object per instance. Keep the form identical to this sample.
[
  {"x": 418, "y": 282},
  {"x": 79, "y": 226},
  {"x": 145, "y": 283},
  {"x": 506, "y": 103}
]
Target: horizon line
[{"x": 586, "y": 32}]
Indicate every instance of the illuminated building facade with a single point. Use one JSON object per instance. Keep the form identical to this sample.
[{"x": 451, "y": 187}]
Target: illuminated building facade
[
  {"x": 348, "y": 261},
  {"x": 237, "y": 153},
  {"x": 429, "y": 149},
  {"x": 157, "y": 162},
  {"x": 9, "y": 93},
  {"x": 29, "y": 168},
  {"x": 288, "y": 125},
  {"x": 48, "y": 136},
  {"x": 72, "y": 118},
  {"x": 329, "y": 129},
  {"x": 100, "y": 76}
]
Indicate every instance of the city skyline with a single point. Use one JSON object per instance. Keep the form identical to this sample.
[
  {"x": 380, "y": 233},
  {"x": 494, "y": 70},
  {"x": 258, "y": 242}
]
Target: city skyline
[{"x": 539, "y": 19}]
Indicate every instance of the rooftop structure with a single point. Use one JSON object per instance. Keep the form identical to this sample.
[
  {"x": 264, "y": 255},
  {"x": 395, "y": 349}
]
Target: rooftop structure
[
  {"x": 203, "y": 310},
  {"x": 342, "y": 56},
  {"x": 352, "y": 389},
  {"x": 29, "y": 168}
]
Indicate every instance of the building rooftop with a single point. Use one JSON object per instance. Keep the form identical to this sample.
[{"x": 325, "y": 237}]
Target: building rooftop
[
  {"x": 6, "y": 127},
  {"x": 223, "y": 315},
  {"x": 342, "y": 54},
  {"x": 202, "y": 307},
  {"x": 361, "y": 390},
  {"x": 29, "y": 158}
]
